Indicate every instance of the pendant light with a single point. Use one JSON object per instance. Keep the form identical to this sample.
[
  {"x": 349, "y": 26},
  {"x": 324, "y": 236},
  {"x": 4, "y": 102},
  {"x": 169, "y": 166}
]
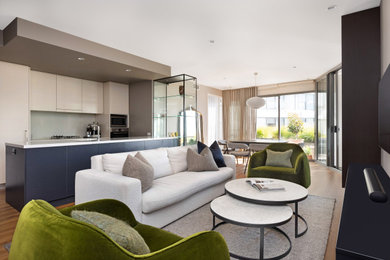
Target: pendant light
[{"x": 255, "y": 102}]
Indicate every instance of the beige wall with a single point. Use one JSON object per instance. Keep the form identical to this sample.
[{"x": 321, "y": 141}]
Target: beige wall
[
  {"x": 385, "y": 37},
  {"x": 14, "y": 116},
  {"x": 203, "y": 93}
]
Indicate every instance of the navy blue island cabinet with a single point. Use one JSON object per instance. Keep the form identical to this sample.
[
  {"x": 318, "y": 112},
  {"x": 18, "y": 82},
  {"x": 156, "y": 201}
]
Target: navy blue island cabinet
[{"x": 48, "y": 173}]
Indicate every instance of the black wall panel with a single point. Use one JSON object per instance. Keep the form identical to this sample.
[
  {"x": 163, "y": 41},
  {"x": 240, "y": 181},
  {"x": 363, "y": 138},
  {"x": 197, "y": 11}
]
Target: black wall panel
[{"x": 361, "y": 64}]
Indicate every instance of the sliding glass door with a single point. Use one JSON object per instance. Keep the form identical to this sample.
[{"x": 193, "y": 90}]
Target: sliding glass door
[
  {"x": 267, "y": 124},
  {"x": 297, "y": 111},
  {"x": 336, "y": 120},
  {"x": 322, "y": 122},
  {"x": 329, "y": 120},
  {"x": 290, "y": 117}
]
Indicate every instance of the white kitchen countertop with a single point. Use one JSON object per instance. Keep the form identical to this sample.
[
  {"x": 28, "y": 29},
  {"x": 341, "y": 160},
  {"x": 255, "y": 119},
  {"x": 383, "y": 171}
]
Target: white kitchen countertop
[{"x": 70, "y": 142}]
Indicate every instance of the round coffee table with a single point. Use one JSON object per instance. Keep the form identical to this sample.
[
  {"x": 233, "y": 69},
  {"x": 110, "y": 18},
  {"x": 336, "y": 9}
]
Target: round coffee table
[
  {"x": 292, "y": 193},
  {"x": 238, "y": 212}
]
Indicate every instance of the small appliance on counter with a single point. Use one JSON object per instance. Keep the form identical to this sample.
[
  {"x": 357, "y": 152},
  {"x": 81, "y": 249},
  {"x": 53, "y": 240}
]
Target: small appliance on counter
[{"x": 93, "y": 130}]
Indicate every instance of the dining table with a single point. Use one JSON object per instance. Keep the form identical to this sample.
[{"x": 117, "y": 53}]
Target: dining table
[{"x": 260, "y": 141}]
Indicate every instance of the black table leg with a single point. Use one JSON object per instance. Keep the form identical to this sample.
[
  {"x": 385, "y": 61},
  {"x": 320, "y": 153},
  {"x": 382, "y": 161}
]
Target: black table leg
[
  {"x": 261, "y": 256},
  {"x": 296, "y": 222},
  {"x": 261, "y": 243}
]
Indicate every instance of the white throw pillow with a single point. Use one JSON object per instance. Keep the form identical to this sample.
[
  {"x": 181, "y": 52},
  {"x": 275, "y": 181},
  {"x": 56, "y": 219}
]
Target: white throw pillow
[
  {"x": 158, "y": 158},
  {"x": 113, "y": 162},
  {"x": 178, "y": 158}
]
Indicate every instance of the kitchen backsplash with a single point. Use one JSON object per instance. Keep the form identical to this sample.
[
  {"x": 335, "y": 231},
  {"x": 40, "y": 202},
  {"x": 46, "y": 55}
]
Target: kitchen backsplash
[{"x": 46, "y": 124}]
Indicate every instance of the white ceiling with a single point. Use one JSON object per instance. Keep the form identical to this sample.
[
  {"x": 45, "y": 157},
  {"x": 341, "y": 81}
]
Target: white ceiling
[{"x": 265, "y": 36}]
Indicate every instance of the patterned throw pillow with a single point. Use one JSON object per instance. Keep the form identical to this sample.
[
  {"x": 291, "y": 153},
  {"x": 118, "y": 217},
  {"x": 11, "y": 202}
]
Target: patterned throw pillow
[
  {"x": 279, "y": 159},
  {"x": 201, "y": 162},
  {"x": 116, "y": 229}
]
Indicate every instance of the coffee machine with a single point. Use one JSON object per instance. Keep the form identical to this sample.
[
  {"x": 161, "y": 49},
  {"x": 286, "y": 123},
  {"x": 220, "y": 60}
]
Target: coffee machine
[{"x": 93, "y": 130}]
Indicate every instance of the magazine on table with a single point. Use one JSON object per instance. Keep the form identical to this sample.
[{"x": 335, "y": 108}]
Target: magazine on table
[{"x": 265, "y": 185}]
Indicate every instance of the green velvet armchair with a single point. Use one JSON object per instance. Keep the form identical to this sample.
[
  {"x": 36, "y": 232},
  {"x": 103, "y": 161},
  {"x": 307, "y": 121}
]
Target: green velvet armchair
[
  {"x": 43, "y": 232},
  {"x": 300, "y": 173}
]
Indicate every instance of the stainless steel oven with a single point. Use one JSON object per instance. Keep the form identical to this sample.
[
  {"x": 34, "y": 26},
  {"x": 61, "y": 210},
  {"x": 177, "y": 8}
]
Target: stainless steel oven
[
  {"x": 119, "y": 132},
  {"x": 118, "y": 121}
]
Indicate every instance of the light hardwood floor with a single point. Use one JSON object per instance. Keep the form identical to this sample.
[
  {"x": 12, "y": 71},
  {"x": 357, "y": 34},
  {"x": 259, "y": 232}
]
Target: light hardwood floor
[{"x": 326, "y": 182}]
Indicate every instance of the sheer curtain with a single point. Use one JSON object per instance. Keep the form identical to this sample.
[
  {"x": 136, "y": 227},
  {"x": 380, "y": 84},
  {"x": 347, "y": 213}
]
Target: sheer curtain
[
  {"x": 214, "y": 121},
  {"x": 239, "y": 120}
]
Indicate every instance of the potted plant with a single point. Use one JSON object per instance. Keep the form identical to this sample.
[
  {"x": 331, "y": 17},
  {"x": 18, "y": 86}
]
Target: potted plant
[
  {"x": 295, "y": 126},
  {"x": 307, "y": 151}
]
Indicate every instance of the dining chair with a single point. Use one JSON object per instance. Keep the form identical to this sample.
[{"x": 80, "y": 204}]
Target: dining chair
[
  {"x": 223, "y": 143},
  {"x": 257, "y": 147},
  {"x": 239, "y": 150}
]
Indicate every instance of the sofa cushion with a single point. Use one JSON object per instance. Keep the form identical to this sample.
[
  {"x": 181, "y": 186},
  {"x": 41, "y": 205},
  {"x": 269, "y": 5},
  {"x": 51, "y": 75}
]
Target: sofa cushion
[
  {"x": 177, "y": 187},
  {"x": 274, "y": 170},
  {"x": 178, "y": 158},
  {"x": 279, "y": 159},
  {"x": 113, "y": 162},
  {"x": 201, "y": 162},
  {"x": 116, "y": 229},
  {"x": 158, "y": 158},
  {"x": 215, "y": 150},
  {"x": 137, "y": 167}
]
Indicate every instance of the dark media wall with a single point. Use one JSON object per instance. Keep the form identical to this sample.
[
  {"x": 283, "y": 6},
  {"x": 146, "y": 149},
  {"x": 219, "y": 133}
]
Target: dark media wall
[{"x": 361, "y": 63}]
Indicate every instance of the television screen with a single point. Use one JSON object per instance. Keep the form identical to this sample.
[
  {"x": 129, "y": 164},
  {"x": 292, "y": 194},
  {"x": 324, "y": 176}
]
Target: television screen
[{"x": 384, "y": 111}]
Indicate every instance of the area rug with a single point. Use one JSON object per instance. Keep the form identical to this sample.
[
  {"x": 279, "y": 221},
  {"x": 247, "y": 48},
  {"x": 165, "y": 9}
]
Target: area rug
[{"x": 317, "y": 211}]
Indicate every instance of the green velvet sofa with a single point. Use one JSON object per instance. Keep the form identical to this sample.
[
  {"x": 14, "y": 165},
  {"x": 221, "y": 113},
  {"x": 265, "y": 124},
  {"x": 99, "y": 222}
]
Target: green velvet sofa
[
  {"x": 43, "y": 232},
  {"x": 300, "y": 173}
]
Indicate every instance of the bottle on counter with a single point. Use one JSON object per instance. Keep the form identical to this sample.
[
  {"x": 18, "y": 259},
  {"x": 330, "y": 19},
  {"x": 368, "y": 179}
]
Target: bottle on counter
[
  {"x": 96, "y": 130},
  {"x": 26, "y": 137}
]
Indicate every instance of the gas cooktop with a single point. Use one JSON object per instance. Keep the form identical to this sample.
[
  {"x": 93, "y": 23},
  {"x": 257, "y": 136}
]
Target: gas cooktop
[{"x": 65, "y": 137}]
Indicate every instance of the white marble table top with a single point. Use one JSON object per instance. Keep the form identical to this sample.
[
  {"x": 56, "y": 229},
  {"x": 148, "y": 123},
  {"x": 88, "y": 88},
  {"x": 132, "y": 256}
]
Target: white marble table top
[
  {"x": 244, "y": 213},
  {"x": 292, "y": 192}
]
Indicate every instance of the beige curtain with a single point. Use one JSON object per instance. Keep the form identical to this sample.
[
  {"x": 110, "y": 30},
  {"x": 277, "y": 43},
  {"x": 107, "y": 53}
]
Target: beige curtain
[{"x": 239, "y": 120}]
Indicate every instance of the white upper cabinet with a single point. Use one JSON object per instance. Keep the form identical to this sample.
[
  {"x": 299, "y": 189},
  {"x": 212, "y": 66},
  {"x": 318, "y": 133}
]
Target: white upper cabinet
[
  {"x": 92, "y": 97},
  {"x": 50, "y": 92},
  {"x": 69, "y": 94},
  {"x": 43, "y": 91},
  {"x": 116, "y": 98}
]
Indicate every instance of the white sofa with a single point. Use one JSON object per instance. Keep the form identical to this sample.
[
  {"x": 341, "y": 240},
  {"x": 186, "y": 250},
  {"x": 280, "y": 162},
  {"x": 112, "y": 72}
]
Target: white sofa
[{"x": 175, "y": 191}]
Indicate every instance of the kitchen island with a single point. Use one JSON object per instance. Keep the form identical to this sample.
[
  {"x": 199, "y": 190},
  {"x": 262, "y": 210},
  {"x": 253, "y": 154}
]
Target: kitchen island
[{"x": 45, "y": 169}]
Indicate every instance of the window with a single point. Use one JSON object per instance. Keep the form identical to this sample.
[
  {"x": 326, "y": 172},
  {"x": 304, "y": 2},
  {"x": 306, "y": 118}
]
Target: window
[
  {"x": 267, "y": 119},
  {"x": 272, "y": 103},
  {"x": 271, "y": 121},
  {"x": 214, "y": 119},
  {"x": 298, "y": 107}
]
